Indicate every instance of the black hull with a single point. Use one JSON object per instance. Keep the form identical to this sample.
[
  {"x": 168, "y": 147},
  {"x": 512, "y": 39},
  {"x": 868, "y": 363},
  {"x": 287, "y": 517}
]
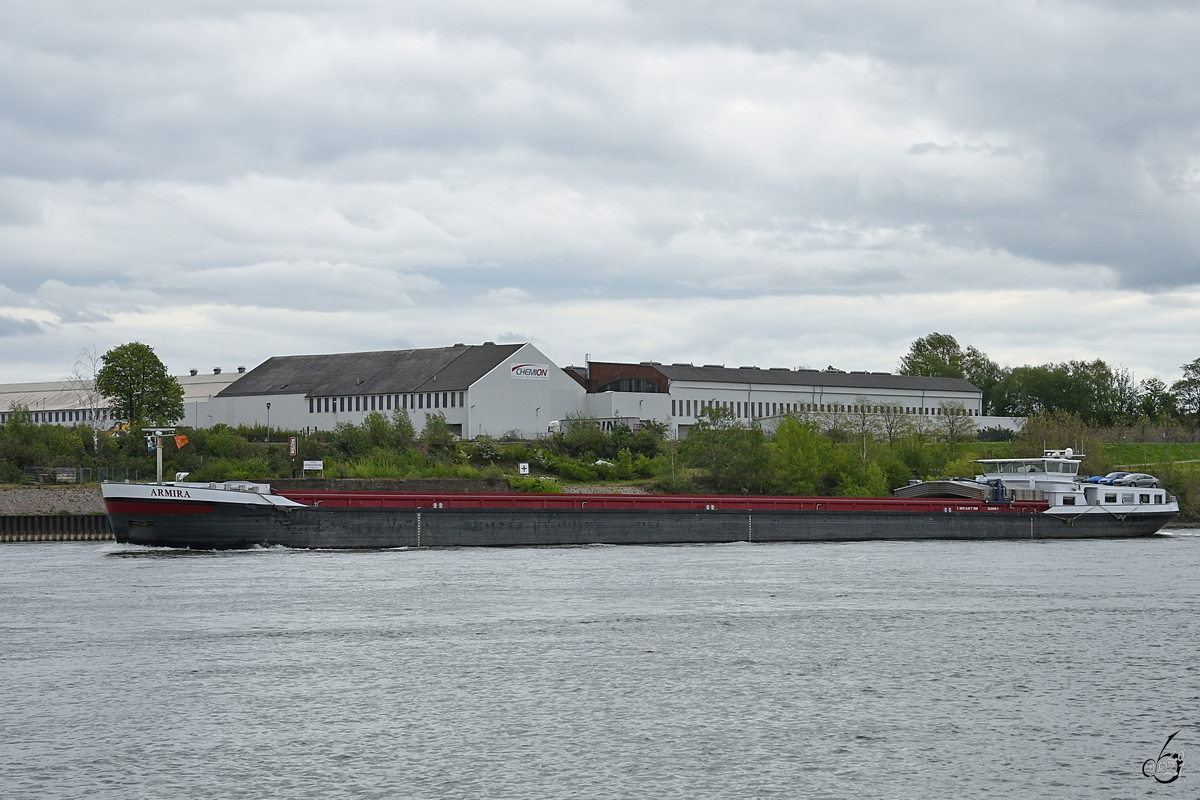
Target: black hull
[{"x": 232, "y": 527}]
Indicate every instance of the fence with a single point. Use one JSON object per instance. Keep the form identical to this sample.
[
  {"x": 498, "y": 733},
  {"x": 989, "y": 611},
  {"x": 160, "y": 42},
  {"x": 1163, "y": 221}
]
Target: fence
[{"x": 69, "y": 475}]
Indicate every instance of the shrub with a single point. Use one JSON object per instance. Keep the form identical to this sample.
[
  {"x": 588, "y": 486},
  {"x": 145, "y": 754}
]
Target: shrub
[{"x": 520, "y": 483}]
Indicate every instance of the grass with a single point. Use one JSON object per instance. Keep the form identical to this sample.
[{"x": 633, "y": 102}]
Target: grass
[{"x": 1143, "y": 454}]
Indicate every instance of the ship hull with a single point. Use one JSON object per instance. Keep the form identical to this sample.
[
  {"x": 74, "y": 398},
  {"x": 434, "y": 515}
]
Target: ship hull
[{"x": 228, "y": 527}]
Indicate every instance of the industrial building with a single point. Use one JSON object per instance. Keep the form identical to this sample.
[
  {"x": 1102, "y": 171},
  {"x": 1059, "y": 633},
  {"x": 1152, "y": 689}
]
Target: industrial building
[
  {"x": 678, "y": 393},
  {"x": 71, "y": 402},
  {"x": 498, "y": 389},
  {"x": 488, "y": 389}
]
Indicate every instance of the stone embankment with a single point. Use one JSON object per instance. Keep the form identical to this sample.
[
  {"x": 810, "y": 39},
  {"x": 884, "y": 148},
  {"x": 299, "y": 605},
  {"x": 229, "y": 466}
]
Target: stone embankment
[
  {"x": 52, "y": 514},
  {"x": 51, "y": 500}
]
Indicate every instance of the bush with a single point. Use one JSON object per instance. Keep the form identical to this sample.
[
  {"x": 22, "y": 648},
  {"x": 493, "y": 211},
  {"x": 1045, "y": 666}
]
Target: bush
[
  {"x": 572, "y": 470},
  {"x": 531, "y": 485},
  {"x": 484, "y": 450},
  {"x": 226, "y": 469}
]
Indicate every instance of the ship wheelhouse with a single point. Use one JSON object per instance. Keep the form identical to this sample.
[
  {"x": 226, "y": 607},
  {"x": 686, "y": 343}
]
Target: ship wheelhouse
[{"x": 1054, "y": 478}]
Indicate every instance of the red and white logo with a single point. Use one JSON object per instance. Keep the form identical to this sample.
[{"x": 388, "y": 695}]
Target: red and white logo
[{"x": 530, "y": 372}]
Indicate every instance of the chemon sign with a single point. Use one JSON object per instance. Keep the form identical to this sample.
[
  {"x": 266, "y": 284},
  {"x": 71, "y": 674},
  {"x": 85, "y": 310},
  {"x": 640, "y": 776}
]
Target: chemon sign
[{"x": 530, "y": 372}]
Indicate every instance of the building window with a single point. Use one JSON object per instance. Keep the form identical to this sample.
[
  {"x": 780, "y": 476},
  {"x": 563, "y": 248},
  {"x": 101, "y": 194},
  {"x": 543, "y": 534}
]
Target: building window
[
  {"x": 461, "y": 404},
  {"x": 310, "y": 405},
  {"x": 404, "y": 401},
  {"x": 444, "y": 398},
  {"x": 630, "y": 385},
  {"x": 389, "y": 403}
]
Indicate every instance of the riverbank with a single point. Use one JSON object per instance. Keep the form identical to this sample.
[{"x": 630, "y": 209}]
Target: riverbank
[{"x": 49, "y": 500}]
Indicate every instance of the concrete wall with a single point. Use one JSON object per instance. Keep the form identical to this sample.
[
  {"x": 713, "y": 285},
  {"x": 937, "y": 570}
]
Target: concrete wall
[
  {"x": 287, "y": 411},
  {"x": 609, "y": 405}
]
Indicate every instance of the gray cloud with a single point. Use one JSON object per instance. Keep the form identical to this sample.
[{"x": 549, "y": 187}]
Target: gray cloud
[{"x": 320, "y": 157}]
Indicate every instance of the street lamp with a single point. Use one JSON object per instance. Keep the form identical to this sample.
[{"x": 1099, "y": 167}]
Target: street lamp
[{"x": 268, "y": 423}]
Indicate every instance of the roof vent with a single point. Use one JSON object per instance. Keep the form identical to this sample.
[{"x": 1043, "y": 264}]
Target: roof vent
[
  {"x": 777, "y": 369},
  {"x": 459, "y": 344},
  {"x": 216, "y": 370},
  {"x": 682, "y": 364},
  {"x": 493, "y": 344},
  {"x": 241, "y": 370},
  {"x": 715, "y": 366},
  {"x": 193, "y": 372}
]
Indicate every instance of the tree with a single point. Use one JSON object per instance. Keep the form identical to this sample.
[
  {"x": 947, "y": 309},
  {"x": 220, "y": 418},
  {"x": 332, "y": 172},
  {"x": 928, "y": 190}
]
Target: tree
[
  {"x": 802, "y": 455},
  {"x": 138, "y": 387},
  {"x": 984, "y": 374},
  {"x": 937, "y": 355},
  {"x": 734, "y": 456},
  {"x": 1155, "y": 400},
  {"x": 438, "y": 438},
  {"x": 954, "y": 426},
  {"x": 1187, "y": 389},
  {"x": 82, "y": 381}
]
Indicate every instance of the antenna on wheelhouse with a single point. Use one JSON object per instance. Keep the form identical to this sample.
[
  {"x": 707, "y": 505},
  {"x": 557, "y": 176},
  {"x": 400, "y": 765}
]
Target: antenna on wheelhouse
[{"x": 158, "y": 434}]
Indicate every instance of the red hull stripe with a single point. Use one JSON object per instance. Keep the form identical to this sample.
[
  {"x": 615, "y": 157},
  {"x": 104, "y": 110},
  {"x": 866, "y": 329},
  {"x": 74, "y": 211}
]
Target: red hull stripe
[{"x": 157, "y": 507}]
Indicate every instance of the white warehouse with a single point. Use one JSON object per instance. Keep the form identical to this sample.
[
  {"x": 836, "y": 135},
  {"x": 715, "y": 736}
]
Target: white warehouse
[
  {"x": 486, "y": 389},
  {"x": 678, "y": 393}
]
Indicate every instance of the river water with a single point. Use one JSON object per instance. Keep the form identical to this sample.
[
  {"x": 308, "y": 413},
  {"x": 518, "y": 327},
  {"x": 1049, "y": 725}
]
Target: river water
[{"x": 923, "y": 669}]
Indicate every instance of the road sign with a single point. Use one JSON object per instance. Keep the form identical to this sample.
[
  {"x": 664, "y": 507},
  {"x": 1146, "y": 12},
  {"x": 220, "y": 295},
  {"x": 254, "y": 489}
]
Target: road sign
[{"x": 292, "y": 446}]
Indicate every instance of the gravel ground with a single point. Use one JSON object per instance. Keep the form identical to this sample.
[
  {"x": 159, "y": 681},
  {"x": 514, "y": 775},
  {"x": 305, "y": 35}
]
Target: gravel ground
[{"x": 50, "y": 500}]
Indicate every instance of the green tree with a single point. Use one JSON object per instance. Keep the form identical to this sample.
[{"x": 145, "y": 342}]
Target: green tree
[
  {"x": 734, "y": 456},
  {"x": 1155, "y": 400},
  {"x": 801, "y": 457},
  {"x": 1187, "y": 390},
  {"x": 937, "y": 355},
  {"x": 138, "y": 386},
  {"x": 437, "y": 437}
]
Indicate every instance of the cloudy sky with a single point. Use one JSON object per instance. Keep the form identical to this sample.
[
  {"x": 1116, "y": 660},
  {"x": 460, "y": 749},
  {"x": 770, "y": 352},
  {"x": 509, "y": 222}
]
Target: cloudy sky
[{"x": 774, "y": 183}]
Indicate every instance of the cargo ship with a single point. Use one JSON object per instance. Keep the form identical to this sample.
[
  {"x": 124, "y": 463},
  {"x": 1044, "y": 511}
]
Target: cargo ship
[{"x": 1031, "y": 498}]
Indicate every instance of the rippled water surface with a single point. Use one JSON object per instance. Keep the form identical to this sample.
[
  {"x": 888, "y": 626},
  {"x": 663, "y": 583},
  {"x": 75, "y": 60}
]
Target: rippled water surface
[{"x": 937, "y": 669}]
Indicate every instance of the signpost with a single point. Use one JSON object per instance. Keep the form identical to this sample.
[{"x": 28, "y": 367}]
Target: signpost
[
  {"x": 523, "y": 468},
  {"x": 315, "y": 466}
]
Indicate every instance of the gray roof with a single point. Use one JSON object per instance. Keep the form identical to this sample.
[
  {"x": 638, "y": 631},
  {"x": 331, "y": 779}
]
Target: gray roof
[
  {"x": 812, "y": 377},
  {"x": 381, "y": 372}
]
